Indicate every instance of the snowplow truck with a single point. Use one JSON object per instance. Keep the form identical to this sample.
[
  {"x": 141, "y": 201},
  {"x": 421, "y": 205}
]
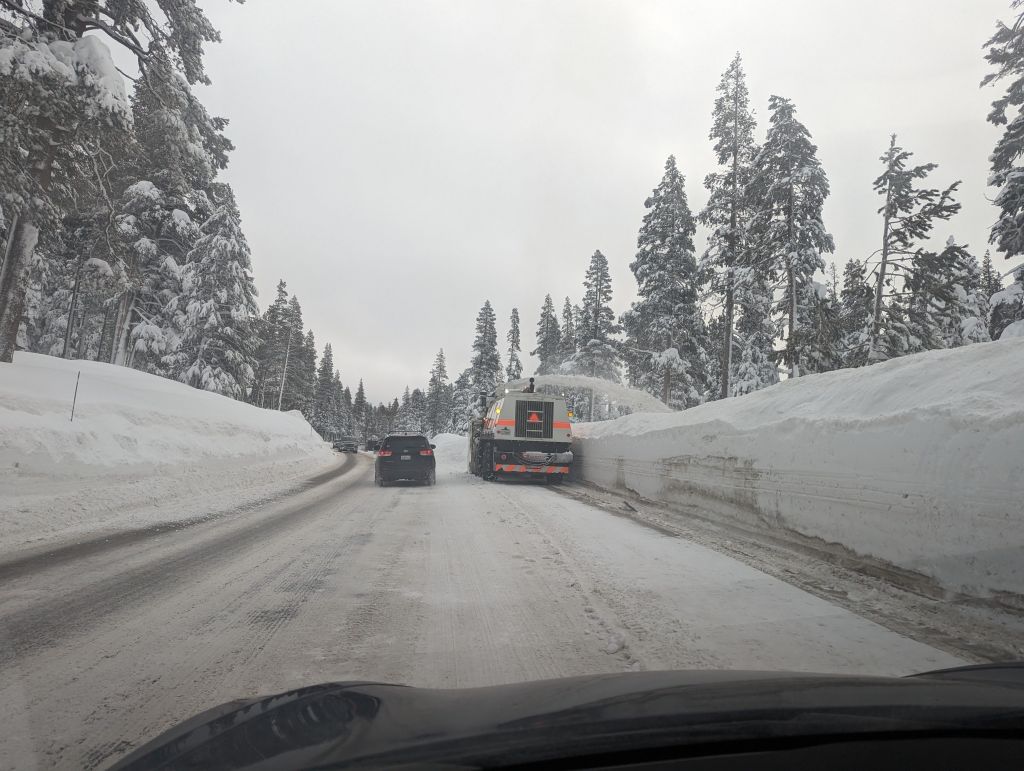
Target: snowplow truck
[{"x": 522, "y": 435}]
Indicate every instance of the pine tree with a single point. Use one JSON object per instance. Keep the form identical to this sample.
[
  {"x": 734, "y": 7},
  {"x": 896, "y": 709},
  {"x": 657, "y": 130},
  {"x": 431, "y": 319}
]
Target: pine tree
[
  {"x": 549, "y": 339},
  {"x": 486, "y": 362},
  {"x": 597, "y": 354},
  {"x": 788, "y": 190},
  {"x": 666, "y": 340},
  {"x": 273, "y": 330},
  {"x": 991, "y": 281},
  {"x": 856, "y": 303},
  {"x": 439, "y": 398},
  {"x": 359, "y": 412},
  {"x": 325, "y": 406},
  {"x": 726, "y": 211},
  {"x": 569, "y": 343},
  {"x": 463, "y": 401},
  {"x": 308, "y": 379},
  {"x": 216, "y": 351},
  {"x": 514, "y": 369},
  {"x": 908, "y": 215}
]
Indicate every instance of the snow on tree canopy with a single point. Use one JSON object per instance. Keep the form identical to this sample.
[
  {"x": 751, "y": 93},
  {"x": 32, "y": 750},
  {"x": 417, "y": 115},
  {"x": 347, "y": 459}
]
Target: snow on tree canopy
[{"x": 85, "y": 63}]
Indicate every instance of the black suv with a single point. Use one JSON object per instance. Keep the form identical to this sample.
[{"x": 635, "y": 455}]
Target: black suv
[{"x": 404, "y": 456}]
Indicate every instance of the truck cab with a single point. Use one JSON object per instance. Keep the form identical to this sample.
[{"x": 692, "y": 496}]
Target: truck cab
[{"x": 523, "y": 435}]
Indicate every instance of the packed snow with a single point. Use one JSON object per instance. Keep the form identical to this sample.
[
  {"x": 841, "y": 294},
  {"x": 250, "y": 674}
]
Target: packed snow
[
  {"x": 620, "y": 395},
  {"x": 135, "y": 441},
  {"x": 918, "y": 462}
]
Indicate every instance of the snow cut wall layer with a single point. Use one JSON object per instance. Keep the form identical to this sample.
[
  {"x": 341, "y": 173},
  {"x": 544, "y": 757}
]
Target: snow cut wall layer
[
  {"x": 125, "y": 418},
  {"x": 918, "y": 461}
]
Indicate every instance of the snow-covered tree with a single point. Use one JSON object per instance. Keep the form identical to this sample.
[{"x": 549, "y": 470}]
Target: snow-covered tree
[
  {"x": 326, "y": 413},
  {"x": 726, "y": 212},
  {"x": 788, "y": 190},
  {"x": 216, "y": 350},
  {"x": 514, "y": 369},
  {"x": 439, "y": 398},
  {"x": 360, "y": 408},
  {"x": 908, "y": 214},
  {"x": 568, "y": 345},
  {"x": 597, "y": 354},
  {"x": 463, "y": 401},
  {"x": 54, "y": 61},
  {"x": 486, "y": 361},
  {"x": 549, "y": 339},
  {"x": 666, "y": 339},
  {"x": 1006, "y": 55},
  {"x": 856, "y": 304}
]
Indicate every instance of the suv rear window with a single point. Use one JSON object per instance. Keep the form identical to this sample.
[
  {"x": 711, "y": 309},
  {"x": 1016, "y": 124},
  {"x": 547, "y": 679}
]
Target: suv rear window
[{"x": 400, "y": 443}]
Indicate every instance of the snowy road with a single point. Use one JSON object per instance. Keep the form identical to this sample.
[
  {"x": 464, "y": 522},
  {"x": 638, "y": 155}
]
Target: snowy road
[{"x": 467, "y": 583}]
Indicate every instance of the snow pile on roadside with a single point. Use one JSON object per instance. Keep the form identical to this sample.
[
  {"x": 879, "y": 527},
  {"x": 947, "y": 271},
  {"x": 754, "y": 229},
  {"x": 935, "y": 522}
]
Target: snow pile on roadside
[
  {"x": 136, "y": 439},
  {"x": 620, "y": 395},
  {"x": 450, "y": 451},
  {"x": 918, "y": 461}
]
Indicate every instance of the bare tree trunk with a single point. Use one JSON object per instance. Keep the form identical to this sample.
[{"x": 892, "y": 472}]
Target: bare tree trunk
[
  {"x": 71, "y": 310},
  {"x": 122, "y": 324},
  {"x": 792, "y": 354},
  {"x": 21, "y": 242},
  {"x": 284, "y": 369}
]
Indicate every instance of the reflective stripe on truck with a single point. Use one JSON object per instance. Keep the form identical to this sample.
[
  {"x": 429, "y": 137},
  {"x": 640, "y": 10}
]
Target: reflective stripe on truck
[{"x": 531, "y": 469}]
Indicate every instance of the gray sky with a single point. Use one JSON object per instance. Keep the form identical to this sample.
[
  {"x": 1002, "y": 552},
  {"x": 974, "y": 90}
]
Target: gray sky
[{"x": 399, "y": 162}]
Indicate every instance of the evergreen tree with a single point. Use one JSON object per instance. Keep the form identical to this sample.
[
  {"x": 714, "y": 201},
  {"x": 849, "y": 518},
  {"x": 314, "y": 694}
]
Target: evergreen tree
[
  {"x": 439, "y": 398},
  {"x": 788, "y": 191},
  {"x": 908, "y": 215},
  {"x": 325, "y": 407},
  {"x": 991, "y": 281},
  {"x": 549, "y": 339},
  {"x": 569, "y": 342},
  {"x": 514, "y": 370},
  {"x": 666, "y": 340},
  {"x": 359, "y": 412},
  {"x": 486, "y": 362},
  {"x": 463, "y": 401},
  {"x": 856, "y": 303},
  {"x": 597, "y": 354},
  {"x": 726, "y": 212},
  {"x": 216, "y": 351},
  {"x": 308, "y": 380}
]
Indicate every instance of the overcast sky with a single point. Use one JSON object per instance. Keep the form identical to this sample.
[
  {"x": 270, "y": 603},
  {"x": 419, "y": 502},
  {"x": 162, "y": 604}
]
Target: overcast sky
[{"x": 398, "y": 163}]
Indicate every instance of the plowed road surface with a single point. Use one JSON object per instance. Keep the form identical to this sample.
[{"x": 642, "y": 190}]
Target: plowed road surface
[{"x": 104, "y": 644}]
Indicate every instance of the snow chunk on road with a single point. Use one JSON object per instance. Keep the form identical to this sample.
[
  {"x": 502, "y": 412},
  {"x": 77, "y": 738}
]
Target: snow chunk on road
[
  {"x": 129, "y": 427},
  {"x": 918, "y": 461}
]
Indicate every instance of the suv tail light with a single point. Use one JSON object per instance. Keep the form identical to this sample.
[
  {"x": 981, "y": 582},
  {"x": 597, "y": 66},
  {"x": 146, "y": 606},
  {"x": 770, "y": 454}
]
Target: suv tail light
[
  {"x": 384, "y": 453},
  {"x": 427, "y": 451}
]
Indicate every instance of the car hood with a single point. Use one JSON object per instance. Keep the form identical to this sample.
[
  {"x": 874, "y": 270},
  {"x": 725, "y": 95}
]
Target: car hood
[{"x": 379, "y": 724}]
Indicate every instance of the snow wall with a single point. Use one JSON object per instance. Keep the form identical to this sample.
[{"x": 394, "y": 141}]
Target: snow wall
[
  {"x": 125, "y": 419},
  {"x": 917, "y": 462}
]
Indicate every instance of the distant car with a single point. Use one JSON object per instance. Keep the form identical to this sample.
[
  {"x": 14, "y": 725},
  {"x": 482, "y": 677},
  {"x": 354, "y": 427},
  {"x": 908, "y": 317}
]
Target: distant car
[
  {"x": 346, "y": 444},
  {"x": 372, "y": 445},
  {"x": 405, "y": 456}
]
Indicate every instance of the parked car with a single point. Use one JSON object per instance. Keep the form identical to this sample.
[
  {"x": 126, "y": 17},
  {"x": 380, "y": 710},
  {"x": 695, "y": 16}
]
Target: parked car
[
  {"x": 346, "y": 444},
  {"x": 405, "y": 456}
]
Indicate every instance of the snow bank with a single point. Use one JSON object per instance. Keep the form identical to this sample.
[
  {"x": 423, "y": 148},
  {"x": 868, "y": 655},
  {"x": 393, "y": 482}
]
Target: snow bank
[
  {"x": 918, "y": 462},
  {"x": 130, "y": 429},
  {"x": 634, "y": 399},
  {"x": 450, "y": 452}
]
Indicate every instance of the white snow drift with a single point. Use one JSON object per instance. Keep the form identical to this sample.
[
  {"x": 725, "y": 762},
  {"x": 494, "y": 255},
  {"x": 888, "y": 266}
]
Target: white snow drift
[
  {"x": 918, "y": 462},
  {"x": 136, "y": 440}
]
